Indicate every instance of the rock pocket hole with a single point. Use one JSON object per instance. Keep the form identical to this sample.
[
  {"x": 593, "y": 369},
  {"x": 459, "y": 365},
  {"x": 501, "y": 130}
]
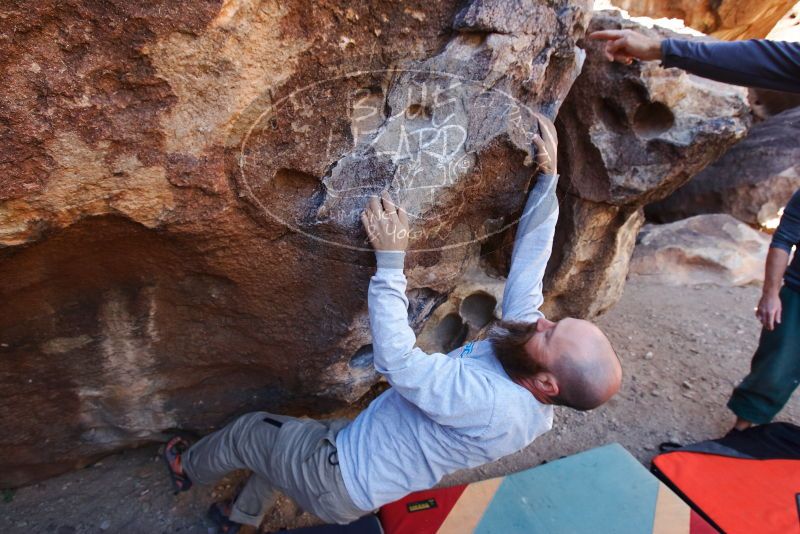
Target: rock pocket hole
[
  {"x": 294, "y": 183},
  {"x": 362, "y": 358},
  {"x": 450, "y": 332},
  {"x": 291, "y": 195},
  {"x": 478, "y": 309},
  {"x": 652, "y": 119},
  {"x": 418, "y": 111},
  {"x": 612, "y": 115}
]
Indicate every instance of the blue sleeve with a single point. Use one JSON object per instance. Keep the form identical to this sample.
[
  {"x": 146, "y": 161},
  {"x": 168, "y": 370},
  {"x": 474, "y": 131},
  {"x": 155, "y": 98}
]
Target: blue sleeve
[
  {"x": 533, "y": 243},
  {"x": 753, "y": 63},
  {"x": 445, "y": 389},
  {"x": 788, "y": 233}
]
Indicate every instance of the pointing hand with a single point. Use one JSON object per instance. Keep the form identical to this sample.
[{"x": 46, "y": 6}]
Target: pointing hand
[{"x": 626, "y": 45}]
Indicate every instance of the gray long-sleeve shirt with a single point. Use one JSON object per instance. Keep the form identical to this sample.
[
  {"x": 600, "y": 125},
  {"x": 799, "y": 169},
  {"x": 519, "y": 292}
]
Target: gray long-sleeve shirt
[
  {"x": 753, "y": 63},
  {"x": 786, "y": 236},
  {"x": 445, "y": 412}
]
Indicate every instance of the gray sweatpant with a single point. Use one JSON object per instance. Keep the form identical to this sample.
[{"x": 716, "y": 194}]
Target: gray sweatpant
[{"x": 296, "y": 456}]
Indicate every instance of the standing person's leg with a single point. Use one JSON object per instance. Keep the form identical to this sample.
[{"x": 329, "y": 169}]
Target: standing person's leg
[
  {"x": 775, "y": 369},
  {"x": 246, "y": 443}
]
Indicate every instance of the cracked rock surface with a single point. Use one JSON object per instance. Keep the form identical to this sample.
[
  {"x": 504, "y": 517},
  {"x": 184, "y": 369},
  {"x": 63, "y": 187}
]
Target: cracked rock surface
[
  {"x": 628, "y": 136},
  {"x": 752, "y": 181}
]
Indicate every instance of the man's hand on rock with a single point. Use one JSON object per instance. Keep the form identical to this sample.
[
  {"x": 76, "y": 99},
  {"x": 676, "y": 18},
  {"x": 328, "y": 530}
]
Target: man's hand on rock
[
  {"x": 769, "y": 310},
  {"x": 546, "y": 143},
  {"x": 385, "y": 223},
  {"x": 626, "y": 45}
]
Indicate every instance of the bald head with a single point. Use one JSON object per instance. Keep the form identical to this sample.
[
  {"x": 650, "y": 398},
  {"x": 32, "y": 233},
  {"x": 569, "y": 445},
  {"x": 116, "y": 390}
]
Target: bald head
[
  {"x": 570, "y": 362},
  {"x": 585, "y": 365}
]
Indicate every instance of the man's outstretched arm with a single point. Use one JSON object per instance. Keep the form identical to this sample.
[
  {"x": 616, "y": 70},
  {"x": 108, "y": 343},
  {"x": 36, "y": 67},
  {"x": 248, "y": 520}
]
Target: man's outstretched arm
[
  {"x": 753, "y": 63},
  {"x": 443, "y": 388},
  {"x": 534, "y": 240}
]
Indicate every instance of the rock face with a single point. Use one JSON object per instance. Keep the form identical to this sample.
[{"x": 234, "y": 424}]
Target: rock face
[
  {"x": 706, "y": 249},
  {"x": 766, "y": 103},
  {"x": 752, "y": 181},
  {"x": 788, "y": 27},
  {"x": 180, "y": 191},
  {"x": 628, "y": 136},
  {"x": 723, "y": 19}
]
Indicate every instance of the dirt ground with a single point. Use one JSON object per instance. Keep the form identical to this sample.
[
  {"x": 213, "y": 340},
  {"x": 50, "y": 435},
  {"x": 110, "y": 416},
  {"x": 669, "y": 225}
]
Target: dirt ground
[{"x": 682, "y": 349}]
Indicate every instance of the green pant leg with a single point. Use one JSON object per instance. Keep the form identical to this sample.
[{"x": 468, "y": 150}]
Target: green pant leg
[{"x": 775, "y": 369}]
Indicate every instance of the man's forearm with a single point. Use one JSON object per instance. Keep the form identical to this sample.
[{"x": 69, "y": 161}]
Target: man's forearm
[
  {"x": 392, "y": 337},
  {"x": 777, "y": 260},
  {"x": 754, "y": 63}
]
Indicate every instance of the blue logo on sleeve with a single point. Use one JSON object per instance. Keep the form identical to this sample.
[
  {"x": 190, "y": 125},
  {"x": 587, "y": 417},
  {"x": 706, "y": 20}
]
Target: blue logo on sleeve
[{"x": 467, "y": 349}]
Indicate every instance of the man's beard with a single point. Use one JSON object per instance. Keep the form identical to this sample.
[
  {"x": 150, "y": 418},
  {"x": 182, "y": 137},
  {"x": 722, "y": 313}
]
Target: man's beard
[{"x": 508, "y": 339}]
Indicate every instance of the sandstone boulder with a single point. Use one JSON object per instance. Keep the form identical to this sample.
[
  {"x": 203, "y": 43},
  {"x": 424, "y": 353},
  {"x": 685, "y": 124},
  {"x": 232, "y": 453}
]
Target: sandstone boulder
[
  {"x": 180, "y": 185},
  {"x": 705, "y": 249},
  {"x": 766, "y": 103},
  {"x": 752, "y": 181},
  {"x": 629, "y": 135},
  {"x": 723, "y": 19},
  {"x": 788, "y": 27}
]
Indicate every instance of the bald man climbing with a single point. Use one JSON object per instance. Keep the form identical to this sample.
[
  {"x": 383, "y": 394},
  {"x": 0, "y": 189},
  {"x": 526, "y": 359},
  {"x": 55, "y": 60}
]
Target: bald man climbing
[{"x": 444, "y": 412}]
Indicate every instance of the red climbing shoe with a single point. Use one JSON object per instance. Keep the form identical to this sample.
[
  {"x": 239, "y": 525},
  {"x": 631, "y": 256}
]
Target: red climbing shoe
[{"x": 173, "y": 450}]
